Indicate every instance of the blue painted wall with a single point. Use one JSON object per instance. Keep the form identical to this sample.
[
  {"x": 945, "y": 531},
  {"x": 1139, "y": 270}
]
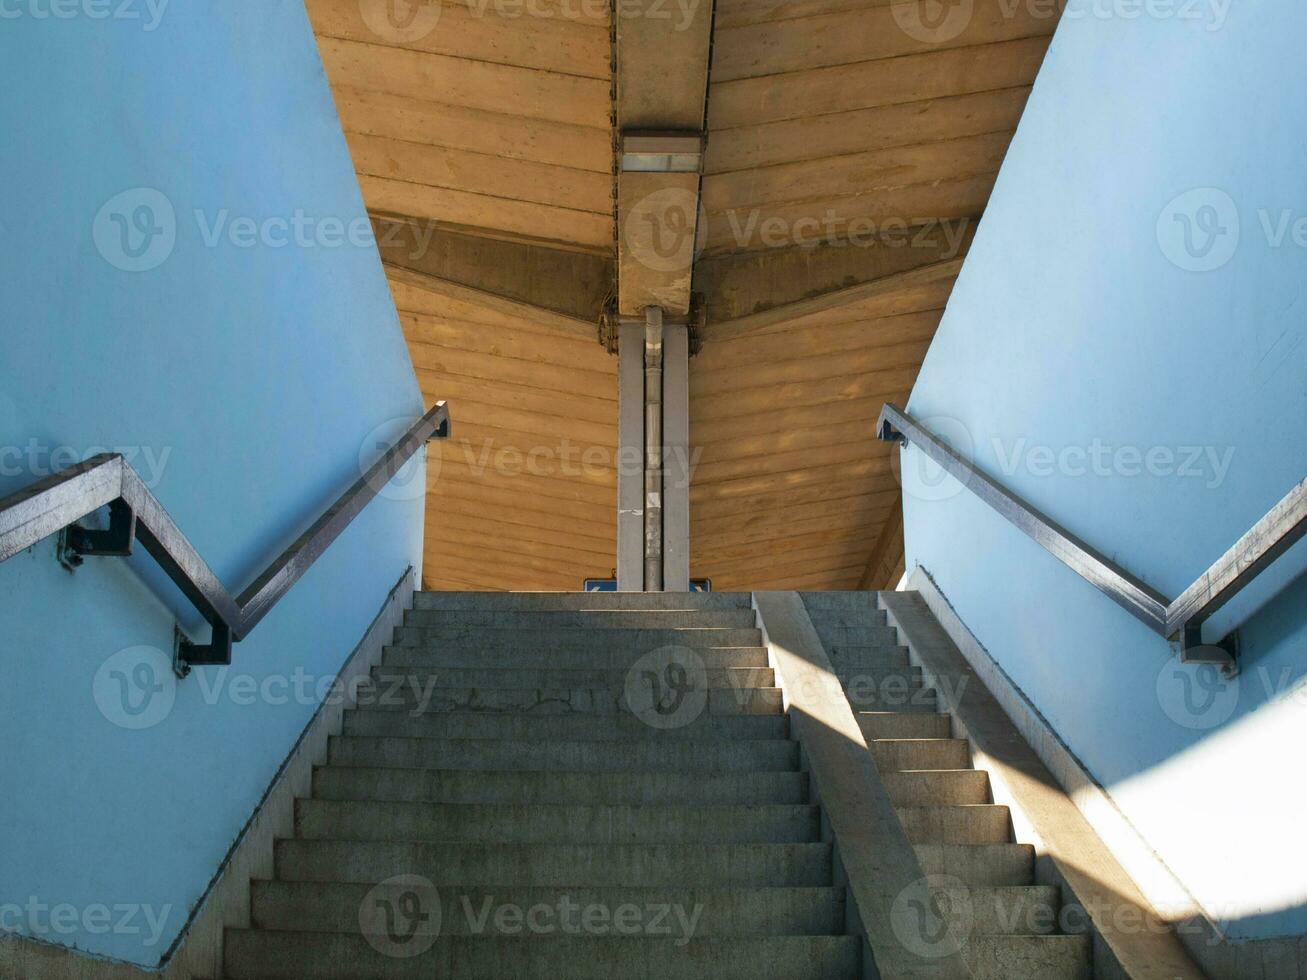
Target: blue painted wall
[
  {"x": 244, "y": 376},
  {"x": 1086, "y": 333}
]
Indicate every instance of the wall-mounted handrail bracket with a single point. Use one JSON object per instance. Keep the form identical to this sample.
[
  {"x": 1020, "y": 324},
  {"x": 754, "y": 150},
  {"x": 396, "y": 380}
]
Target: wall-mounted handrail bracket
[
  {"x": 187, "y": 654},
  {"x": 55, "y": 504},
  {"x": 887, "y": 433},
  {"x": 1182, "y": 619},
  {"x": 76, "y": 542},
  {"x": 1224, "y": 654}
]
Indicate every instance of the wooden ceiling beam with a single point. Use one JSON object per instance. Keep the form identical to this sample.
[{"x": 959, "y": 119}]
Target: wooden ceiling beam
[
  {"x": 780, "y": 284},
  {"x": 724, "y": 328},
  {"x": 661, "y": 86},
  {"x": 557, "y": 287}
]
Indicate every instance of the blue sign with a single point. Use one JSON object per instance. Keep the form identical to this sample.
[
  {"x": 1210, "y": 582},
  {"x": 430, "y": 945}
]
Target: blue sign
[{"x": 610, "y": 585}]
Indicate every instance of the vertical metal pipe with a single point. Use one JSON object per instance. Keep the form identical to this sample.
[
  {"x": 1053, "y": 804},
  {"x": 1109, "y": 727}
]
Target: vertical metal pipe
[
  {"x": 630, "y": 457},
  {"x": 676, "y": 458},
  {"x": 653, "y": 449}
]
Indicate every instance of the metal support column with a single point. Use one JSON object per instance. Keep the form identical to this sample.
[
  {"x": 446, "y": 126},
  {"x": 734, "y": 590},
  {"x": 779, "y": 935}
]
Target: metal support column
[
  {"x": 630, "y": 457},
  {"x": 653, "y": 449},
  {"x": 676, "y": 458}
]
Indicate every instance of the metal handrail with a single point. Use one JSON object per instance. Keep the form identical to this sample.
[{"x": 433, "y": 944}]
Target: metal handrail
[
  {"x": 1182, "y": 618},
  {"x": 57, "y": 502}
]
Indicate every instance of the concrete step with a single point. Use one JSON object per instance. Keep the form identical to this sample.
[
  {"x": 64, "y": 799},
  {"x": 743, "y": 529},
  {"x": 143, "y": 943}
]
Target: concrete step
[
  {"x": 920, "y": 753},
  {"x": 863, "y": 635},
  {"x": 831, "y": 622},
  {"x": 518, "y": 619},
  {"x": 567, "y": 727},
  {"x": 868, "y": 692},
  {"x": 887, "y": 659},
  {"x": 980, "y": 864},
  {"x": 323, "y": 906},
  {"x": 904, "y": 724},
  {"x": 523, "y": 601},
  {"x": 1015, "y": 910},
  {"x": 559, "y": 865},
  {"x": 983, "y": 823},
  {"x": 822, "y": 604},
  {"x": 651, "y": 787},
  {"x": 828, "y": 620},
  {"x": 534, "y": 658},
  {"x": 411, "y": 683},
  {"x": 937, "y": 787},
  {"x": 643, "y": 640},
  {"x": 598, "y": 756},
  {"x": 574, "y": 824},
  {"x": 260, "y": 955},
  {"x": 1029, "y": 957},
  {"x": 686, "y": 705}
]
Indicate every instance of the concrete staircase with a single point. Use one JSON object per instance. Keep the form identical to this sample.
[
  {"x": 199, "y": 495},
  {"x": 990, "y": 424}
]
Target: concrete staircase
[
  {"x": 559, "y": 785},
  {"x": 983, "y": 880}
]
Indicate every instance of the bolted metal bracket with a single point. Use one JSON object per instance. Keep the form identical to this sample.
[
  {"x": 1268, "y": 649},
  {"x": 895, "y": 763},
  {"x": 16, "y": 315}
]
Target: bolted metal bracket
[
  {"x": 890, "y": 434},
  {"x": 77, "y": 543},
  {"x": 695, "y": 324},
  {"x": 1224, "y": 654},
  {"x": 215, "y": 653}
]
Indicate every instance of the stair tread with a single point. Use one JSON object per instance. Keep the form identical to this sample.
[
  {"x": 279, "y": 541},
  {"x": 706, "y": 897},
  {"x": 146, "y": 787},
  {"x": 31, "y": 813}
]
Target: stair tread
[
  {"x": 526, "y": 785},
  {"x": 253, "y": 955},
  {"x": 1048, "y": 957},
  {"x": 556, "y": 864},
  {"x": 556, "y": 823},
  {"x": 407, "y": 671},
  {"x": 564, "y": 755},
  {"x": 587, "y": 698},
  {"x": 438, "y": 658},
  {"x": 425, "y": 598},
  {"x": 385, "y": 722},
  {"x": 760, "y": 910}
]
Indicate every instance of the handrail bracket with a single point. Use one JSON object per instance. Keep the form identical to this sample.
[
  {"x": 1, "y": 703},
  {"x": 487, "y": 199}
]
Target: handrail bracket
[
  {"x": 77, "y": 543},
  {"x": 1223, "y": 654},
  {"x": 888, "y": 433},
  {"x": 187, "y": 654}
]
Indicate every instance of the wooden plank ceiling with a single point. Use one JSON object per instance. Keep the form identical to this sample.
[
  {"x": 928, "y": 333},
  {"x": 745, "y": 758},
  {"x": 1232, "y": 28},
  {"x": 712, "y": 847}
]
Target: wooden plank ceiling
[
  {"x": 829, "y": 125},
  {"x": 521, "y": 496},
  {"x": 792, "y": 488},
  {"x": 489, "y": 119},
  {"x": 831, "y": 110}
]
